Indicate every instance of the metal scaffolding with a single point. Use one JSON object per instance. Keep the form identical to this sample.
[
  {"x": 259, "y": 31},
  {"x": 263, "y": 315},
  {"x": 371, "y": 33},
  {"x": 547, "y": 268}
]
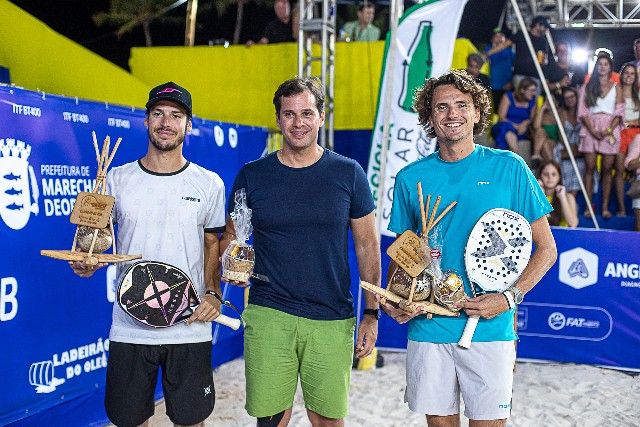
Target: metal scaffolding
[
  {"x": 579, "y": 13},
  {"x": 318, "y": 28}
]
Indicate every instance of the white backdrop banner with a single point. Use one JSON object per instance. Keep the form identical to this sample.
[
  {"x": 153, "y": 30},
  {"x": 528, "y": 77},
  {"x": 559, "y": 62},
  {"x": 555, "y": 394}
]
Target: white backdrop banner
[{"x": 424, "y": 48}]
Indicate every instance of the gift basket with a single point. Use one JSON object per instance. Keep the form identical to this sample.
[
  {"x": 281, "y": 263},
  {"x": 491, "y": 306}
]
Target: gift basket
[{"x": 238, "y": 258}]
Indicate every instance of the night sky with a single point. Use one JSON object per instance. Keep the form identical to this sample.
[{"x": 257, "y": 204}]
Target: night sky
[{"x": 72, "y": 18}]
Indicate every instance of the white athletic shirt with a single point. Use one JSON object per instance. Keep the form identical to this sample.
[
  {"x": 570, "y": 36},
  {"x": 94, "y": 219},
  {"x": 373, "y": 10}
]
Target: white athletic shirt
[{"x": 164, "y": 218}]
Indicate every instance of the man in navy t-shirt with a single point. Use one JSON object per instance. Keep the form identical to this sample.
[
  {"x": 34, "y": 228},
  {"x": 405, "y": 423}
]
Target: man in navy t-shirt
[{"x": 300, "y": 324}]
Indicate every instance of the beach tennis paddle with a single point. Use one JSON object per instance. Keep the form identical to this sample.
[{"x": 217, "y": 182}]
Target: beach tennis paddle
[
  {"x": 497, "y": 251},
  {"x": 161, "y": 295}
]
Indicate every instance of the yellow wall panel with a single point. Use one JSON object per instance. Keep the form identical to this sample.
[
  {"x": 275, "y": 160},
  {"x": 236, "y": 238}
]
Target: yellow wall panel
[
  {"x": 236, "y": 84},
  {"x": 38, "y": 58}
]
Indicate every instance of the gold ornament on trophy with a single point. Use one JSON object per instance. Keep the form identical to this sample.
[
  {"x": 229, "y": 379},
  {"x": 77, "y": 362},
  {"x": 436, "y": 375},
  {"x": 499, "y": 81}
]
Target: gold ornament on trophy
[
  {"x": 417, "y": 280},
  {"x": 92, "y": 214}
]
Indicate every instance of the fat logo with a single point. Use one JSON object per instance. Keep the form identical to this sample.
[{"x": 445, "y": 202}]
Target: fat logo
[
  {"x": 207, "y": 390},
  {"x": 18, "y": 187}
]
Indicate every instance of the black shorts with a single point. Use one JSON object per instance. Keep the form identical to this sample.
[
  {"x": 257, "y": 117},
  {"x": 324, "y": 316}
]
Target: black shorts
[{"x": 132, "y": 375}]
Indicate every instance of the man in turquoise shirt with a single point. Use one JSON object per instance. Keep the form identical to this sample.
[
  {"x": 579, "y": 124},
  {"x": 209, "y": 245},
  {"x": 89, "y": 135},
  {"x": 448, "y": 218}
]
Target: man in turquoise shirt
[{"x": 454, "y": 108}]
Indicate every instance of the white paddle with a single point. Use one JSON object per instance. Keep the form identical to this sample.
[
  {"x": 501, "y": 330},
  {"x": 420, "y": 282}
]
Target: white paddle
[{"x": 497, "y": 251}]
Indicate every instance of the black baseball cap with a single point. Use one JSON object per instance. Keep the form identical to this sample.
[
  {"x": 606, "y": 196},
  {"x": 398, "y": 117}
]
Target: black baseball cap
[
  {"x": 540, "y": 20},
  {"x": 170, "y": 92}
]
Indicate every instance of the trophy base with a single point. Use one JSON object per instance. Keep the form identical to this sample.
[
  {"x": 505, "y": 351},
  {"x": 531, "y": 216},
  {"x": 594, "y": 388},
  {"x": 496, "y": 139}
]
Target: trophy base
[
  {"x": 404, "y": 304},
  {"x": 91, "y": 259}
]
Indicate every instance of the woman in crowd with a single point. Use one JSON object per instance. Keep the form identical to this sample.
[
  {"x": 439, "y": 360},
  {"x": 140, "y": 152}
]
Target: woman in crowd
[
  {"x": 568, "y": 112},
  {"x": 601, "y": 110},
  {"x": 565, "y": 211},
  {"x": 629, "y": 88},
  {"x": 515, "y": 113},
  {"x": 632, "y": 163}
]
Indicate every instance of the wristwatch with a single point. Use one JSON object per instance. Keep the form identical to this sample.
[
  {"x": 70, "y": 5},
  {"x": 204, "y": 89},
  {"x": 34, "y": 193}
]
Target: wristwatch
[
  {"x": 375, "y": 312},
  {"x": 518, "y": 296}
]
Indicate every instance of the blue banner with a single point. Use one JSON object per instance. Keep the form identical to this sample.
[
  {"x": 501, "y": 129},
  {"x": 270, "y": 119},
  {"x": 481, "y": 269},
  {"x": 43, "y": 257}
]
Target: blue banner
[
  {"x": 54, "y": 326},
  {"x": 586, "y": 309}
]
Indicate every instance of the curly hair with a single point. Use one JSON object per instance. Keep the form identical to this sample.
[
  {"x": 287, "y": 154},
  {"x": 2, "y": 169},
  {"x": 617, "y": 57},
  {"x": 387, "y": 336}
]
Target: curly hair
[{"x": 465, "y": 83}]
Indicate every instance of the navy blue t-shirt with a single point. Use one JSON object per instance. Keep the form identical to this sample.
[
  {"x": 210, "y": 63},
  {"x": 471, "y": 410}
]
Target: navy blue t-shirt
[{"x": 301, "y": 219}]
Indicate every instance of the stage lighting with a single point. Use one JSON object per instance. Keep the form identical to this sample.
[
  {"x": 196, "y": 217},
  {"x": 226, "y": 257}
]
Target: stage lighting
[{"x": 579, "y": 56}]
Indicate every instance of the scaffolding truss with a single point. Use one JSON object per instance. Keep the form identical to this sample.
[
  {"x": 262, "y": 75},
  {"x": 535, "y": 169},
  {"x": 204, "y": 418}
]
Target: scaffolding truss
[
  {"x": 579, "y": 13},
  {"x": 317, "y": 33}
]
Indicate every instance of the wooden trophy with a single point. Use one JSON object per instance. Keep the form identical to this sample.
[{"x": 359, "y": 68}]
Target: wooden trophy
[
  {"x": 408, "y": 251},
  {"x": 92, "y": 214}
]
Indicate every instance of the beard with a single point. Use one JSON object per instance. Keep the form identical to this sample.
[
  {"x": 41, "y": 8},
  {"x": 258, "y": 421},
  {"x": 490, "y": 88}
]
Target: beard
[{"x": 166, "y": 145}]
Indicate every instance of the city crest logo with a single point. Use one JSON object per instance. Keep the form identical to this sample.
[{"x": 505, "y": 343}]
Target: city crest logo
[{"x": 18, "y": 186}]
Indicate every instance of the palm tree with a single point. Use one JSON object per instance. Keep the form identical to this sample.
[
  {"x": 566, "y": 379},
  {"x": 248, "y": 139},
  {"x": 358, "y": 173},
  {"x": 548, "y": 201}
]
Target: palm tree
[{"x": 128, "y": 14}]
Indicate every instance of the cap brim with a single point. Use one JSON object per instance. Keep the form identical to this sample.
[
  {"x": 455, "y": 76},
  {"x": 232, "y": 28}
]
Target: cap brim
[{"x": 170, "y": 99}]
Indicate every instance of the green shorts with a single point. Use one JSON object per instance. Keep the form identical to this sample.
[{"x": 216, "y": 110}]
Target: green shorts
[{"x": 278, "y": 346}]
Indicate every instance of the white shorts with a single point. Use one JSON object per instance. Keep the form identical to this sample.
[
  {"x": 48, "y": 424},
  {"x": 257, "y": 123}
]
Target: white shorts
[{"x": 438, "y": 373}]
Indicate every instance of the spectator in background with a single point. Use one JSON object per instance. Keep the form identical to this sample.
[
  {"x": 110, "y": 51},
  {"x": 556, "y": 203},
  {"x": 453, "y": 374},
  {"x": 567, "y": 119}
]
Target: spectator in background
[
  {"x": 615, "y": 77},
  {"x": 474, "y": 64},
  {"x": 565, "y": 210},
  {"x": 636, "y": 53},
  {"x": 500, "y": 56},
  {"x": 523, "y": 65},
  {"x": 280, "y": 29},
  {"x": 545, "y": 134},
  {"x": 601, "y": 110},
  {"x": 362, "y": 30},
  {"x": 629, "y": 88},
  {"x": 515, "y": 113},
  {"x": 564, "y": 73},
  {"x": 295, "y": 22},
  {"x": 569, "y": 117},
  {"x": 632, "y": 163}
]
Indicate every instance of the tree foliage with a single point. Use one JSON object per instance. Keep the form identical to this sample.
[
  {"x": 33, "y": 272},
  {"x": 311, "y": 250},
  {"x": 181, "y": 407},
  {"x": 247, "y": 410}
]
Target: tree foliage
[{"x": 128, "y": 14}]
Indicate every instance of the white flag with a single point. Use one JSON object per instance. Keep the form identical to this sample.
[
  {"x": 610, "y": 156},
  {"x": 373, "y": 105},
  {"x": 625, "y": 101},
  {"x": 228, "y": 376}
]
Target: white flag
[{"x": 424, "y": 48}]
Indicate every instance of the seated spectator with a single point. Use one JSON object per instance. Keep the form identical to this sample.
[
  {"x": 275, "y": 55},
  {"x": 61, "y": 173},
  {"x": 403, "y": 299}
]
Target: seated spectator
[
  {"x": 474, "y": 63},
  {"x": 632, "y": 163},
  {"x": 280, "y": 29},
  {"x": 500, "y": 56},
  {"x": 362, "y": 30},
  {"x": 545, "y": 135},
  {"x": 515, "y": 112},
  {"x": 565, "y": 211}
]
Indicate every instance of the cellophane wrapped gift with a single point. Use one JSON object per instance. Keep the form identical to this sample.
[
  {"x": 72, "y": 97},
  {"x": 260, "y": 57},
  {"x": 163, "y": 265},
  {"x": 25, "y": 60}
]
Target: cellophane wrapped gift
[
  {"x": 449, "y": 286},
  {"x": 238, "y": 258}
]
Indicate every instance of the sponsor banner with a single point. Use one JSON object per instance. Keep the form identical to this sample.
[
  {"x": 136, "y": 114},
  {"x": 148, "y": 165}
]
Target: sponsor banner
[
  {"x": 425, "y": 39},
  {"x": 584, "y": 310},
  {"x": 54, "y": 326}
]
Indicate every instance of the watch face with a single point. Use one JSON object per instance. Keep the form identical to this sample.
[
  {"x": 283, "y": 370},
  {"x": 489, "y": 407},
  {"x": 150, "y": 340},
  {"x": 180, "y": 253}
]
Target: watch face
[{"x": 518, "y": 296}]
